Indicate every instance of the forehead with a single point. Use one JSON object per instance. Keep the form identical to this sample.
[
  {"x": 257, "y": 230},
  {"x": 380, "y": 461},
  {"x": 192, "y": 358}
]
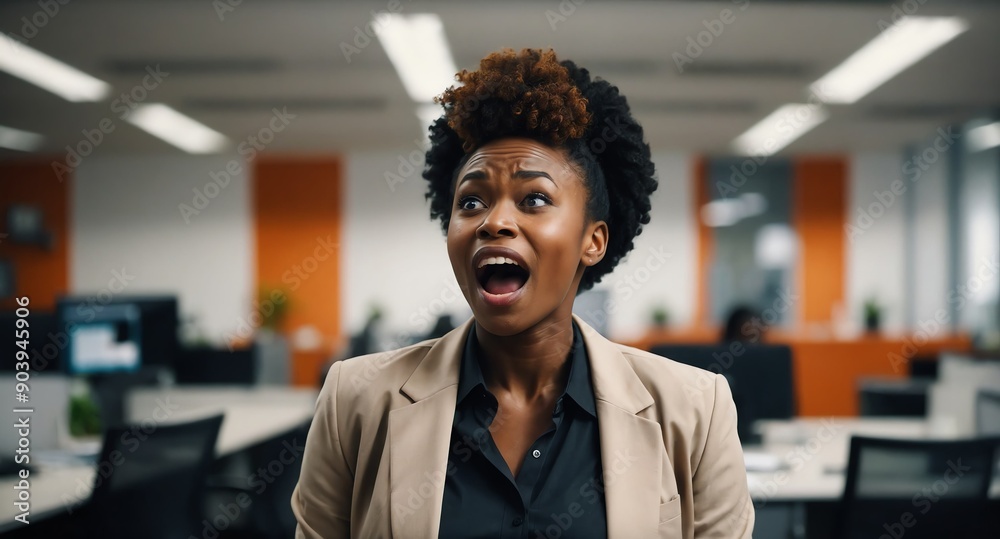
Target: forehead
[{"x": 519, "y": 153}]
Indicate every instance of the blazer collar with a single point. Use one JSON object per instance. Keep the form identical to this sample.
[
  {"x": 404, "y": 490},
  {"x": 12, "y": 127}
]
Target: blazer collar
[{"x": 614, "y": 379}]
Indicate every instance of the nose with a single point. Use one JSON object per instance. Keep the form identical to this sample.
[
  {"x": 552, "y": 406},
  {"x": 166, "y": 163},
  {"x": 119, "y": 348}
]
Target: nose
[{"x": 498, "y": 222}]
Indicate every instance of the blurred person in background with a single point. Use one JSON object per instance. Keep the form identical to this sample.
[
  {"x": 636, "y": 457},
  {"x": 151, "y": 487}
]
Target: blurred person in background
[
  {"x": 740, "y": 326},
  {"x": 541, "y": 179},
  {"x": 441, "y": 327}
]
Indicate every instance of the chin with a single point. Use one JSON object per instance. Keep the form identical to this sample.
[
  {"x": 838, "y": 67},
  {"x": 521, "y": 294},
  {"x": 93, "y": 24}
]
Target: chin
[{"x": 502, "y": 325}]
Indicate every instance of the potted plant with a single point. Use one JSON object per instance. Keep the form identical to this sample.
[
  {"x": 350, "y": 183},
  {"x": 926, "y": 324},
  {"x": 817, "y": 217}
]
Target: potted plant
[
  {"x": 873, "y": 315},
  {"x": 273, "y": 355},
  {"x": 660, "y": 317},
  {"x": 273, "y": 305}
]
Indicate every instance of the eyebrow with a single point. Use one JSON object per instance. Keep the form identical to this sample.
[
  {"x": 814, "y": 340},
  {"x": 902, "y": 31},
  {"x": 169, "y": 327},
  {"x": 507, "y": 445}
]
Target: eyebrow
[{"x": 520, "y": 175}]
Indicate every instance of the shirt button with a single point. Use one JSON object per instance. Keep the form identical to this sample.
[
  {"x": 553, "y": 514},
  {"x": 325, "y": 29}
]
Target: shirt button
[
  {"x": 536, "y": 453},
  {"x": 516, "y": 522}
]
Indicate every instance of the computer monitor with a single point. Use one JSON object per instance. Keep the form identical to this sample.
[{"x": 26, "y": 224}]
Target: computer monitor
[
  {"x": 104, "y": 342},
  {"x": 760, "y": 377},
  {"x": 150, "y": 322}
]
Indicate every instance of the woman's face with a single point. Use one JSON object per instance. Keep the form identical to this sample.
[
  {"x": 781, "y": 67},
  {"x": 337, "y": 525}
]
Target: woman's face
[{"x": 519, "y": 238}]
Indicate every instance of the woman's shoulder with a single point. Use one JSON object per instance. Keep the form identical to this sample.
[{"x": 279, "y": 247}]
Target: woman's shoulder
[
  {"x": 662, "y": 368},
  {"x": 370, "y": 372},
  {"x": 672, "y": 383}
]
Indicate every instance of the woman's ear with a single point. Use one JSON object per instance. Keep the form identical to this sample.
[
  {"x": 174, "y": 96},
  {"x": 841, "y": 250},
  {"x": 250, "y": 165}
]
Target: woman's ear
[{"x": 595, "y": 242}]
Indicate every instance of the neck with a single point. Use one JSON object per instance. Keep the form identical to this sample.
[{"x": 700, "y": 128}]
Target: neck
[{"x": 531, "y": 365}]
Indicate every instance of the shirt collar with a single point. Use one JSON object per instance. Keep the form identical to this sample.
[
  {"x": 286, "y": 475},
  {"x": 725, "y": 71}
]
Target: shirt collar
[{"x": 579, "y": 387}]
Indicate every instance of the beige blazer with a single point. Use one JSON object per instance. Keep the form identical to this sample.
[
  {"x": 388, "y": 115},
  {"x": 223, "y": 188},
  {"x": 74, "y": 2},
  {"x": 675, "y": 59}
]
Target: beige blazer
[{"x": 377, "y": 453}]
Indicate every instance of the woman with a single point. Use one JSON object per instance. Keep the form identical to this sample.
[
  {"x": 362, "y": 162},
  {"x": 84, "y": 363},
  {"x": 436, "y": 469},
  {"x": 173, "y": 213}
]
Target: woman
[{"x": 524, "y": 421}]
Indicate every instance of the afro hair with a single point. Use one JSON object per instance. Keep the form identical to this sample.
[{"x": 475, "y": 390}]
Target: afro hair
[{"x": 532, "y": 94}]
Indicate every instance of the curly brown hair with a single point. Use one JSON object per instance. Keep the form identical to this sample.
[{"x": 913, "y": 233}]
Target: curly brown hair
[
  {"x": 532, "y": 94},
  {"x": 535, "y": 92}
]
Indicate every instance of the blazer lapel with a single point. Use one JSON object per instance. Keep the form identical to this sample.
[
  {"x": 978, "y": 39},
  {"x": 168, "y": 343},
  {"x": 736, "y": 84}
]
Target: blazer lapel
[
  {"x": 632, "y": 452},
  {"x": 419, "y": 436}
]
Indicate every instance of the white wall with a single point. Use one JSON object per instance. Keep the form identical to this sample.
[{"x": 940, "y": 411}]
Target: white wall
[
  {"x": 930, "y": 231},
  {"x": 671, "y": 232},
  {"x": 876, "y": 255},
  {"x": 396, "y": 257},
  {"x": 125, "y": 215}
]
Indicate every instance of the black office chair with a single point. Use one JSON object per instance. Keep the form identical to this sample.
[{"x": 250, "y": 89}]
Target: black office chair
[
  {"x": 917, "y": 489},
  {"x": 150, "y": 484},
  {"x": 269, "y": 513}
]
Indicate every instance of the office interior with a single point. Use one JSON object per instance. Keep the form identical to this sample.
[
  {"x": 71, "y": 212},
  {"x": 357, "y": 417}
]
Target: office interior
[{"x": 205, "y": 204}]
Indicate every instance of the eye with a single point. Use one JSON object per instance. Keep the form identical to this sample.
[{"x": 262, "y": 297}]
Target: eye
[
  {"x": 537, "y": 200},
  {"x": 470, "y": 203}
]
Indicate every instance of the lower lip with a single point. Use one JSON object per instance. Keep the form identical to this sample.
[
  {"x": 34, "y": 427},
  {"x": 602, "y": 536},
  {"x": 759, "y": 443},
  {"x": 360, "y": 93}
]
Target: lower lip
[{"x": 501, "y": 300}]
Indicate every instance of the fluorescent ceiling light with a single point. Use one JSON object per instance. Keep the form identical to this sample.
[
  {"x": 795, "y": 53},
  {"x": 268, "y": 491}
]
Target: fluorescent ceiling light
[
  {"x": 722, "y": 212},
  {"x": 984, "y": 137},
  {"x": 46, "y": 72},
  {"x": 779, "y": 129},
  {"x": 175, "y": 128},
  {"x": 893, "y": 50},
  {"x": 419, "y": 51},
  {"x": 15, "y": 139},
  {"x": 729, "y": 211}
]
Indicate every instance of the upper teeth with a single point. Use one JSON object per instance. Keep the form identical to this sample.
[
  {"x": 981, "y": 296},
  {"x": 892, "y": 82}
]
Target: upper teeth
[{"x": 496, "y": 260}]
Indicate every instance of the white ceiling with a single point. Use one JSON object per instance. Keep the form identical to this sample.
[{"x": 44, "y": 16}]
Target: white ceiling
[{"x": 228, "y": 74}]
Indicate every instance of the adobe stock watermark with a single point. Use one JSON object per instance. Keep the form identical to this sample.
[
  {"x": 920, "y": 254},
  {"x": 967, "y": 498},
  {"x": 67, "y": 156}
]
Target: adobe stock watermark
[
  {"x": 130, "y": 441},
  {"x": 900, "y": 10},
  {"x": 985, "y": 272},
  {"x": 86, "y": 311},
  {"x": 589, "y": 493},
  {"x": 411, "y": 164},
  {"x": 415, "y": 498},
  {"x": 925, "y": 499},
  {"x": 562, "y": 13},
  {"x": 363, "y": 36},
  {"x": 753, "y": 330},
  {"x": 628, "y": 285},
  {"x": 248, "y": 149},
  {"x": 122, "y": 106},
  {"x": 714, "y": 28},
  {"x": 419, "y": 318},
  {"x": 32, "y": 24},
  {"x": 293, "y": 277},
  {"x": 406, "y": 166},
  {"x": 784, "y": 128},
  {"x": 913, "y": 170},
  {"x": 229, "y": 513},
  {"x": 796, "y": 458},
  {"x": 225, "y": 7}
]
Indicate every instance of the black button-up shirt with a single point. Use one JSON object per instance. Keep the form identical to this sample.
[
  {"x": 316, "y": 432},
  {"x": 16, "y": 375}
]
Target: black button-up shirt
[{"x": 558, "y": 491}]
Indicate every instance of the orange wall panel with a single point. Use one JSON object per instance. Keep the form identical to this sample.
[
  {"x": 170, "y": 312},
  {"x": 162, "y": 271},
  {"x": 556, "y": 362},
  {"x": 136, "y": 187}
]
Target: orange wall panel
[
  {"x": 819, "y": 210},
  {"x": 40, "y": 274},
  {"x": 699, "y": 177},
  {"x": 297, "y": 221}
]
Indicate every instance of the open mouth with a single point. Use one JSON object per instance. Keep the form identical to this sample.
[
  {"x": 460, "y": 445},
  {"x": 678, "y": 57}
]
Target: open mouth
[{"x": 500, "y": 275}]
